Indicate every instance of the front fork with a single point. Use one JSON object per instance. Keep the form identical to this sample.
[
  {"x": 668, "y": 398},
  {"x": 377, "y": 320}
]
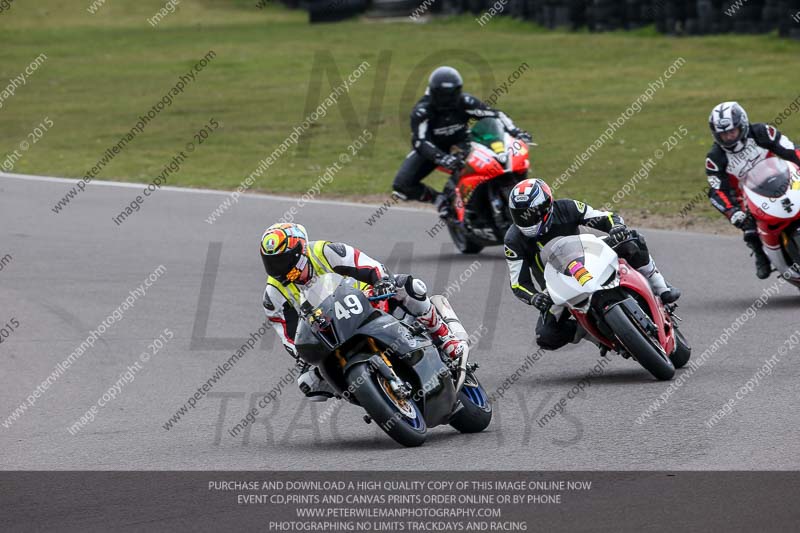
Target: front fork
[
  {"x": 381, "y": 364},
  {"x": 498, "y": 206}
]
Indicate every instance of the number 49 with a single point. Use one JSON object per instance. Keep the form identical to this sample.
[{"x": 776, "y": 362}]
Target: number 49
[{"x": 353, "y": 307}]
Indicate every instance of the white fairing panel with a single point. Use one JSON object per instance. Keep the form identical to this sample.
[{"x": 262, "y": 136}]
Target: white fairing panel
[
  {"x": 572, "y": 288},
  {"x": 777, "y": 207},
  {"x": 780, "y": 203}
]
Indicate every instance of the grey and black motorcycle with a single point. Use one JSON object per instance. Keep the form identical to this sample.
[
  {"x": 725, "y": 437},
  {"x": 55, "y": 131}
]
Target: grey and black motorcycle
[{"x": 388, "y": 366}]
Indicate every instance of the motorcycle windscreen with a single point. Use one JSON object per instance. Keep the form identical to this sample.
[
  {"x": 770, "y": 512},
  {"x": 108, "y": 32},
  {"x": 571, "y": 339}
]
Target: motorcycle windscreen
[
  {"x": 577, "y": 265},
  {"x": 770, "y": 177},
  {"x": 490, "y": 133}
]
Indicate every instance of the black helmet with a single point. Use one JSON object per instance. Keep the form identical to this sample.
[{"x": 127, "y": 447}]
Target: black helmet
[
  {"x": 726, "y": 117},
  {"x": 444, "y": 86},
  {"x": 531, "y": 206}
]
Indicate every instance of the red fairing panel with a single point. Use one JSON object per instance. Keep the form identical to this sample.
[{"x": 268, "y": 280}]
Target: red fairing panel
[{"x": 631, "y": 279}]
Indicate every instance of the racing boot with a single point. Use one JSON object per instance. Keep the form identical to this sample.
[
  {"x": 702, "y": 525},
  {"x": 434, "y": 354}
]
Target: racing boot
[
  {"x": 444, "y": 200},
  {"x": 442, "y": 204},
  {"x": 314, "y": 386},
  {"x": 449, "y": 344},
  {"x": 661, "y": 288},
  {"x": 763, "y": 265}
]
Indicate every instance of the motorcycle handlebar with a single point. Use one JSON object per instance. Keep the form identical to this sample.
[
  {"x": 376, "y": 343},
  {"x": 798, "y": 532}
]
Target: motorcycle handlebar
[{"x": 381, "y": 297}]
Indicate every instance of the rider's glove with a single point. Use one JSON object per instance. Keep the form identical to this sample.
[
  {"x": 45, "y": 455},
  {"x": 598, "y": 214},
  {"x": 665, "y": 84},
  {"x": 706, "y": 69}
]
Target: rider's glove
[
  {"x": 522, "y": 135},
  {"x": 738, "y": 219},
  {"x": 385, "y": 286},
  {"x": 619, "y": 233},
  {"x": 541, "y": 301},
  {"x": 450, "y": 162}
]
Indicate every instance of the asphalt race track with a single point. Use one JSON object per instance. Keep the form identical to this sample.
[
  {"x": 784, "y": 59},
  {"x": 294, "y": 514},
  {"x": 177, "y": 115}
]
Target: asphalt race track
[{"x": 69, "y": 271}]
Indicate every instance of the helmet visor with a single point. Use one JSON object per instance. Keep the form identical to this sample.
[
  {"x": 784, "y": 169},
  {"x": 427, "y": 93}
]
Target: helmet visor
[
  {"x": 529, "y": 220},
  {"x": 445, "y": 97},
  {"x": 729, "y": 138},
  {"x": 280, "y": 266}
]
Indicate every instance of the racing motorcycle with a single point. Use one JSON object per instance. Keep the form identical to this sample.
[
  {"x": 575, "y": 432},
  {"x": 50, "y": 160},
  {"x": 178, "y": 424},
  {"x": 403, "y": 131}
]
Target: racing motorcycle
[
  {"x": 389, "y": 367},
  {"x": 613, "y": 303},
  {"x": 771, "y": 194},
  {"x": 493, "y": 163}
]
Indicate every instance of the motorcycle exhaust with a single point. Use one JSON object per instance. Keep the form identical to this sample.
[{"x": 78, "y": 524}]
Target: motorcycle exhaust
[{"x": 449, "y": 316}]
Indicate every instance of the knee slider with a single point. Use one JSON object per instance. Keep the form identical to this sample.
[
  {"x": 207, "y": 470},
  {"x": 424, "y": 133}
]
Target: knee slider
[{"x": 416, "y": 288}]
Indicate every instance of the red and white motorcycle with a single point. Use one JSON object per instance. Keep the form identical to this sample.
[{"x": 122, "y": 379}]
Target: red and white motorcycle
[
  {"x": 613, "y": 303},
  {"x": 771, "y": 194},
  {"x": 493, "y": 163}
]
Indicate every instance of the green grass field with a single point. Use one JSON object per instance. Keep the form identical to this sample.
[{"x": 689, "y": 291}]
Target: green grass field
[{"x": 104, "y": 70}]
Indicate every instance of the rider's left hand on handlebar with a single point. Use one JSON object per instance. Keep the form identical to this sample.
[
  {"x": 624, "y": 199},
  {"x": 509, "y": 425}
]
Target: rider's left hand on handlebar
[
  {"x": 619, "y": 233},
  {"x": 541, "y": 301},
  {"x": 384, "y": 287},
  {"x": 451, "y": 162},
  {"x": 739, "y": 219},
  {"x": 522, "y": 135}
]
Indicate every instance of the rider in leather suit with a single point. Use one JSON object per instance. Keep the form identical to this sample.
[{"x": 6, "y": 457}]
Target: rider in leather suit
[{"x": 293, "y": 262}]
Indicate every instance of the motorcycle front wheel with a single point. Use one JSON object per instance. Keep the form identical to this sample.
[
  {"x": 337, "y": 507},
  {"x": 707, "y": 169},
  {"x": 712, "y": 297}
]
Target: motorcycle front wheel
[
  {"x": 461, "y": 238},
  {"x": 399, "y": 418},
  {"x": 637, "y": 342}
]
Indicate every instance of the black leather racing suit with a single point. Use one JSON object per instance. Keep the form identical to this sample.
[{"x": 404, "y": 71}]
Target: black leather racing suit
[
  {"x": 433, "y": 133},
  {"x": 526, "y": 269}
]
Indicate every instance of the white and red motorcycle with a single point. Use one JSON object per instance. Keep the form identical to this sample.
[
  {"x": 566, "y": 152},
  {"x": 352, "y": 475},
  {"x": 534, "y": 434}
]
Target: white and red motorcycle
[
  {"x": 771, "y": 194},
  {"x": 613, "y": 303}
]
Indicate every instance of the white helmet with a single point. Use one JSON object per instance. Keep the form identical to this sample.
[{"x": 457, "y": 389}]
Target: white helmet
[{"x": 726, "y": 117}]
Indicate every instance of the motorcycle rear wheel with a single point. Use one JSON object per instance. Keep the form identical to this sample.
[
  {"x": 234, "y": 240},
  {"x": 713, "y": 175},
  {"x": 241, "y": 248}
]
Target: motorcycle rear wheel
[
  {"x": 400, "y": 419},
  {"x": 639, "y": 344}
]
